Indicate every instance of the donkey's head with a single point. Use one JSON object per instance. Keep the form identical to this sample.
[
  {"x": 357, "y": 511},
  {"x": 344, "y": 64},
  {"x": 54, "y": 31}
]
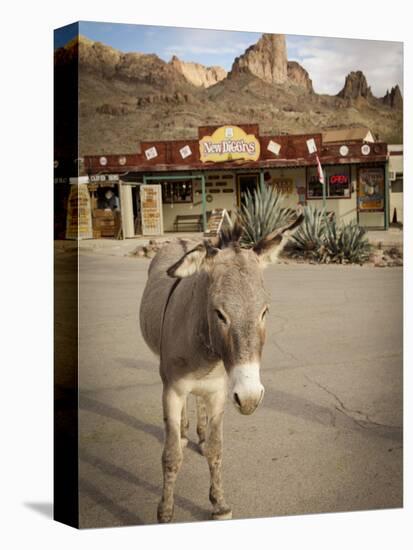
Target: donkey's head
[{"x": 237, "y": 305}]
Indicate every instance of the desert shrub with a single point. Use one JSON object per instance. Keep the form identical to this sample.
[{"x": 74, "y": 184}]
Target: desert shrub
[
  {"x": 323, "y": 239},
  {"x": 320, "y": 237},
  {"x": 308, "y": 238},
  {"x": 262, "y": 213},
  {"x": 346, "y": 243}
]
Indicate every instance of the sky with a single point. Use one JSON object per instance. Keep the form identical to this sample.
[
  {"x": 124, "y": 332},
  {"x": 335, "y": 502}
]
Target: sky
[{"x": 328, "y": 60}]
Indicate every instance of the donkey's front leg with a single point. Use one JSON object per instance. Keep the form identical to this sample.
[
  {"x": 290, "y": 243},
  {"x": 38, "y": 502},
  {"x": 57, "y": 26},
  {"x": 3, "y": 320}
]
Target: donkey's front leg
[
  {"x": 215, "y": 403},
  {"x": 184, "y": 424},
  {"x": 172, "y": 454}
]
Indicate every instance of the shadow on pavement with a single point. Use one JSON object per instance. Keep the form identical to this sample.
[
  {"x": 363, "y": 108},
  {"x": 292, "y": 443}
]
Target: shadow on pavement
[
  {"x": 124, "y": 515},
  {"x": 88, "y": 404},
  {"x": 118, "y": 472}
]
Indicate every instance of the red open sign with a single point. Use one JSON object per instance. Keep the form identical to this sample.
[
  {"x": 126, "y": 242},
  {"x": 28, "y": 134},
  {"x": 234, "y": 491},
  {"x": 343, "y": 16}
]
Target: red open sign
[{"x": 338, "y": 179}]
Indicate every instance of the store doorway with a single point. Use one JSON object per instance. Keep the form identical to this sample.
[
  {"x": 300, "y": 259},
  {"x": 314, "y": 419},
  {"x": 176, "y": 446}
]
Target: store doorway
[{"x": 246, "y": 182}]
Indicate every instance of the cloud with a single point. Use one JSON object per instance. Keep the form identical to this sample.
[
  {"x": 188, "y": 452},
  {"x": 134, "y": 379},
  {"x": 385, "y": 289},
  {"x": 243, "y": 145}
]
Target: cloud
[
  {"x": 224, "y": 46},
  {"x": 329, "y": 60},
  {"x": 190, "y": 49}
]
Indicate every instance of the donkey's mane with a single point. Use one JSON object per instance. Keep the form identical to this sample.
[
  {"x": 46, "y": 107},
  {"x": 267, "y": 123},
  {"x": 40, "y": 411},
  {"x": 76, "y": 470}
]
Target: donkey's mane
[{"x": 230, "y": 236}]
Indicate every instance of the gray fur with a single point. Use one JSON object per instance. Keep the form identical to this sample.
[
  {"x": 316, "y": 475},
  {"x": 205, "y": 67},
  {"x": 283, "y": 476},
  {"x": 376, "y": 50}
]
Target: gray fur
[{"x": 208, "y": 331}]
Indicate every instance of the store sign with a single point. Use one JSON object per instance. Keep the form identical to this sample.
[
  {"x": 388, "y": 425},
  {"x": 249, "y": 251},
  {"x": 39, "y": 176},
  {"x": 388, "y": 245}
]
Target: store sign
[
  {"x": 185, "y": 151},
  {"x": 151, "y": 209},
  {"x": 283, "y": 185},
  {"x": 338, "y": 179},
  {"x": 104, "y": 178},
  {"x": 274, "y": 147},
  {"x": 229, "y": 143},
  {"x": 311, "y": 146},
  {"x": 151, "y": 153},
  {"x": 79, "y": 215},
  {"x": 371, "y": 189}
]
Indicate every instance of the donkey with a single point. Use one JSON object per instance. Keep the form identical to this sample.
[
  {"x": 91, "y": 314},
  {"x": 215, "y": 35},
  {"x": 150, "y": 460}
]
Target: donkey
[{"x": 203, "y": 312}]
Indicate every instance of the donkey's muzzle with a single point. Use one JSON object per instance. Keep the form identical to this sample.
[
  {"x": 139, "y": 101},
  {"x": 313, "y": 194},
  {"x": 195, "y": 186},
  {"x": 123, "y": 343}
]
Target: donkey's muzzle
[{"x": 245, "y": 387}]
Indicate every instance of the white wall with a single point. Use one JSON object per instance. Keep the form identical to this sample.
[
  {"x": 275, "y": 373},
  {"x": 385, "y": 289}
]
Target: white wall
[
  {"x": 290, "y": 200},
  {"x": 219, "y": 200},
  {"x": 344, "y": 209}
]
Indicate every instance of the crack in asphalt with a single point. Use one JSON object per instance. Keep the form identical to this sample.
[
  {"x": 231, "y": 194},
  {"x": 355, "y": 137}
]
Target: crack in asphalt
[
  {"x": 338, "y": 363},
  {"x": 364, "y": 420},
  {"x": 284, "y": 323}
]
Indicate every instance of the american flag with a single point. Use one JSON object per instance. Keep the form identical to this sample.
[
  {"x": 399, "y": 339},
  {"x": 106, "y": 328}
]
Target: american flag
[{"x": 320, "y": 171}]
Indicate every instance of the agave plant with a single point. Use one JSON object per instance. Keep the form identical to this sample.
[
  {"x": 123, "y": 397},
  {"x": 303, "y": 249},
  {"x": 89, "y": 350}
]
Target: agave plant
[
  {"x": 354, "y": 243},
  {"x": 261, "y": 213},
  {"x": 345, "y": 243},
  {"x": 323, "y": 239},
  {"x": 309, "y": 236}
]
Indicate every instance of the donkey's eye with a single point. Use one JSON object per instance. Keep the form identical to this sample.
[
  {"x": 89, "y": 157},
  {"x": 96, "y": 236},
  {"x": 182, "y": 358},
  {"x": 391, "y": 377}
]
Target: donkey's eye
[
  {"x": 264, "y": 313},
  {"x": 221, "y": 316}
]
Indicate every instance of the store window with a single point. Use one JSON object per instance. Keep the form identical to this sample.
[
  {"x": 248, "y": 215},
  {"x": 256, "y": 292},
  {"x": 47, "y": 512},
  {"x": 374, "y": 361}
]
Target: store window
[
  {"x": 337, "y": 180},
  {"x": 177, "y": 192}
]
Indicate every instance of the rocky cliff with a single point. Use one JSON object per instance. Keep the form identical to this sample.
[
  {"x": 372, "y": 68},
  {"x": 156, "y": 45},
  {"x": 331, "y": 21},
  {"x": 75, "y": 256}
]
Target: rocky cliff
[
  {"x": 267, "y": 60},
  {"x": 299, "y": 76},
  {"x": 393, "y": 98},
  {"x": 198, "y": 74},
  {"x": 128, "y": 97},
  {"x": 99, "y": 59},
  {"x": 355, "y": 86}
]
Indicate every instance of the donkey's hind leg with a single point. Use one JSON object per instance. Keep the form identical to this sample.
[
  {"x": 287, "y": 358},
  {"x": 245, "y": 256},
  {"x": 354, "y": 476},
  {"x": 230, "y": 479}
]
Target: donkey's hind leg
[
  {"x": 184, "y": 425},
  {"x": 202, "y": 422},
  {"x": 172, "y": 452}
]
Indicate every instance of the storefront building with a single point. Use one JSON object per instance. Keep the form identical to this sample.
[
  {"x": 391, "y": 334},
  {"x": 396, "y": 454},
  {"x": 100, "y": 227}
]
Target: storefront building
[
  {"x": 396, "y": 183},
  {"x": 173, "y": 186}
]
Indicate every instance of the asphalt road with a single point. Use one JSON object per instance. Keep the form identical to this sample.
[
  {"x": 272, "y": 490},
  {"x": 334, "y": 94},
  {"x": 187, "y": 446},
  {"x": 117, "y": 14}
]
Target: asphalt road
[{"x": 327, "y": 438}]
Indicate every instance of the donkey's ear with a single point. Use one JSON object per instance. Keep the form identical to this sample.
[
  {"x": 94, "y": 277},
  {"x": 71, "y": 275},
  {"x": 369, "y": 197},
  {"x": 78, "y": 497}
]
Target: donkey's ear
[
  {"x": 269, "y": 248},
  {"x": 193, "y": 261}
]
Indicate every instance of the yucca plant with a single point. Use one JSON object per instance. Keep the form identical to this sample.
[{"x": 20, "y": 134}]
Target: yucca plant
[{"x": 261, "y": 213}]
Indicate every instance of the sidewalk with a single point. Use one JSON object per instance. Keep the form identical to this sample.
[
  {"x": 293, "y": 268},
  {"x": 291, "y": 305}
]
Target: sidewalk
[
  {"x": 381, "y": 239},
  {"x": 113, "y": 247},
  {"x": 393, "y": 237}
]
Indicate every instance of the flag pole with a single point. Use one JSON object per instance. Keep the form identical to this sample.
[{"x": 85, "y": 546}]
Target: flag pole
[{"x": 322, "y": 180}]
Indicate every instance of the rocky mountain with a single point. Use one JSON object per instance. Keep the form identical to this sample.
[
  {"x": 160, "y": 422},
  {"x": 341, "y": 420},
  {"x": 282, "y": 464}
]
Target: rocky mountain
[
  {"x": 393, "y": 98},
  {"x": 198, "y": 74},
  {"x": 355, "y": 86},
  {"x": 267, "y": 60},
  {"x": 109, "y": 63},
  {"x": 298, "y": 75},
  {"x": 128, "y": 97}
]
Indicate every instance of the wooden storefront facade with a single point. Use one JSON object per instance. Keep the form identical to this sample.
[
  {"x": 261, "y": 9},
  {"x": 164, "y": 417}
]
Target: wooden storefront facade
[{"x": 195, "y": 177}]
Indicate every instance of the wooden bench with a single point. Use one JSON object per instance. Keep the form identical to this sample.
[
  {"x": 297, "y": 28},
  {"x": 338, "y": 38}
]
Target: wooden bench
[{"x": 188, "y": 222}]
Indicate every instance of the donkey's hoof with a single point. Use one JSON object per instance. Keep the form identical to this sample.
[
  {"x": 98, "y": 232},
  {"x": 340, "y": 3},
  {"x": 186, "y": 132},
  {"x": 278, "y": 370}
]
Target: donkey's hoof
[
  {"x": 184, "y": 442},
  {"x": 165, "y": 514},
  {"x": 224, "y": 513},
  {"x": 201, "y": 446}
]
